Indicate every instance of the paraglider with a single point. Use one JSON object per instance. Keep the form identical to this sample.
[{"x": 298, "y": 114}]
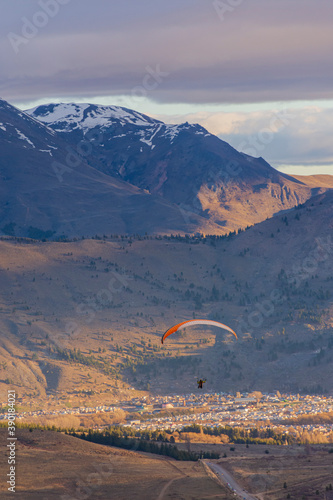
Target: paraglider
[
  {"x": 200, "y": 382},
  {"x": 192, "y": 322}
]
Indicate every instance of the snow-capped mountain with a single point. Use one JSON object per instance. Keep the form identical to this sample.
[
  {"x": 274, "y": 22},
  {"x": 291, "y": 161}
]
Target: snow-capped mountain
[
  {"x": 184, "y": 164},
  {"x": 70, "y": 117},
  {"x": 49, "y": 186}
]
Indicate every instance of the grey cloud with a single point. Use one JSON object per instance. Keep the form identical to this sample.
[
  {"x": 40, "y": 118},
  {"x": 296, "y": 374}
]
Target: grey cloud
[
  {"x": 263, "y": 51},
  {"x": 304, "y": 140},
  {"x": 283, "y": 136}
]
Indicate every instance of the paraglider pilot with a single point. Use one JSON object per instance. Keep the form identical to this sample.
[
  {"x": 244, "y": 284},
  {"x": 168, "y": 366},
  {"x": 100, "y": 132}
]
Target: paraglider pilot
[{"x": 200, "y": 383}]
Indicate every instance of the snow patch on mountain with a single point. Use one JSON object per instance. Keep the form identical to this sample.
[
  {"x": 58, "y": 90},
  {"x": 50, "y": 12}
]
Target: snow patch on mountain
[
  {"x": 24, "y": 137},
  {"x": 149, "y": 140},
  {"x": 171, "y": 131},
  {"x": 68, "y": 117},
  {"x": 87, "y": 116}
]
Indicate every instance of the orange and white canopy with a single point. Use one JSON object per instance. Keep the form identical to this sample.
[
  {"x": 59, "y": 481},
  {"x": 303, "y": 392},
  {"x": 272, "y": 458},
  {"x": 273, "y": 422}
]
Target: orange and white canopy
[{"x": 192, "y": 322}]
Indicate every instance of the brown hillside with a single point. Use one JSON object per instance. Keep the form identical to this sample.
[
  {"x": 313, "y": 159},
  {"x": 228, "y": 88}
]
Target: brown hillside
[
  {"x": 114, "y": 299},
  {"x": 53, "y": 465},
  {"x": 316, "y": 180}
]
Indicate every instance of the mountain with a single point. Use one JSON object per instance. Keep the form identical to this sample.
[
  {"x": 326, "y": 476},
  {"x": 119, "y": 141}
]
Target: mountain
[
  {"x": 81, "y": 169},
  {"x": 183, "y": 164},
  {"x": 47, "y": 188}
]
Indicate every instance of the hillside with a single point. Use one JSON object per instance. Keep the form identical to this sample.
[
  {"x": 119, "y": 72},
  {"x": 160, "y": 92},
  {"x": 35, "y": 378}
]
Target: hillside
[
  {"x": 113, "y": 299},
  {"x": 318, "y": 180},
  {"x": 183, "y": 164},
  {"x": 68, "y": 467}
]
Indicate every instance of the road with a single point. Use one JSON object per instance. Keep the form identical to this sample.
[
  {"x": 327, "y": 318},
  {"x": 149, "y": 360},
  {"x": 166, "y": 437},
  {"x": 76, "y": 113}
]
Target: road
[
  {"x": 161, "y": 495},
  {"x": 227, "y": 478}
]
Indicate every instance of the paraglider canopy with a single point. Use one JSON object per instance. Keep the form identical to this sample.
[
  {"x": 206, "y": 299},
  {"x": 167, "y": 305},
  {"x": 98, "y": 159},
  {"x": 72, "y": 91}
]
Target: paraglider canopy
[{"x": 192, "y": 322}]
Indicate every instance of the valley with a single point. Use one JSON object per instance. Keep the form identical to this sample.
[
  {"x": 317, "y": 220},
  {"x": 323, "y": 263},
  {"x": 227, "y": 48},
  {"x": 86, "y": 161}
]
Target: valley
[{"x": 166, "y": 250}]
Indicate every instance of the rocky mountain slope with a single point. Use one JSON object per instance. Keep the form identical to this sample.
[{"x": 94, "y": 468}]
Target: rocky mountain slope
[
  {"x": 47, "y": 188},
  {"x": 183, "y": 164}
]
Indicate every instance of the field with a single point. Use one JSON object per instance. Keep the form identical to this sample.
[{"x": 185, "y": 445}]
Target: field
[
  {"x": 274, "y": 472},
  {"x": 303, "y": 472},
  {"x": 57, "y": 466},
  {"x": 53, "y": 465}
]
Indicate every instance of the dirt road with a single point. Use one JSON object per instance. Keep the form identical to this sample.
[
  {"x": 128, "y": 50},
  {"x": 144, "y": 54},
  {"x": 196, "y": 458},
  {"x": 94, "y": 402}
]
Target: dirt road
[{"x": 228, "y": 479}]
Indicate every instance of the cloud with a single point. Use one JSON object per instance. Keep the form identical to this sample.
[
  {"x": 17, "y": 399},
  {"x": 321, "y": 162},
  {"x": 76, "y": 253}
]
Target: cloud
[
  {"x": 299, "y": 137},
  {"x": 258, "y": 51},
  {"x": 263, "y": 50}
]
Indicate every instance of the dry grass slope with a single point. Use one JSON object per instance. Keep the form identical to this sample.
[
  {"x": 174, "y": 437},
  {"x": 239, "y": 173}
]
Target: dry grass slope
[
  {"x": 52, "y": 466},
  {"x": 112, "y": 300}
]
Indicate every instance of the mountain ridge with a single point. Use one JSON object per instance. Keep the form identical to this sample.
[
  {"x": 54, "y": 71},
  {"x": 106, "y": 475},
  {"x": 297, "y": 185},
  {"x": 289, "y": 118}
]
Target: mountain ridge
[
  {"x": 45, "y": 184},
  {"x": 88, "y": 169},
  {"x": 184, "y": 164}
]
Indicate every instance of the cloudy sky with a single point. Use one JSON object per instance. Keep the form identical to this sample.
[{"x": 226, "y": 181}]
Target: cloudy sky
[{"x": 258, "y": 73}]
